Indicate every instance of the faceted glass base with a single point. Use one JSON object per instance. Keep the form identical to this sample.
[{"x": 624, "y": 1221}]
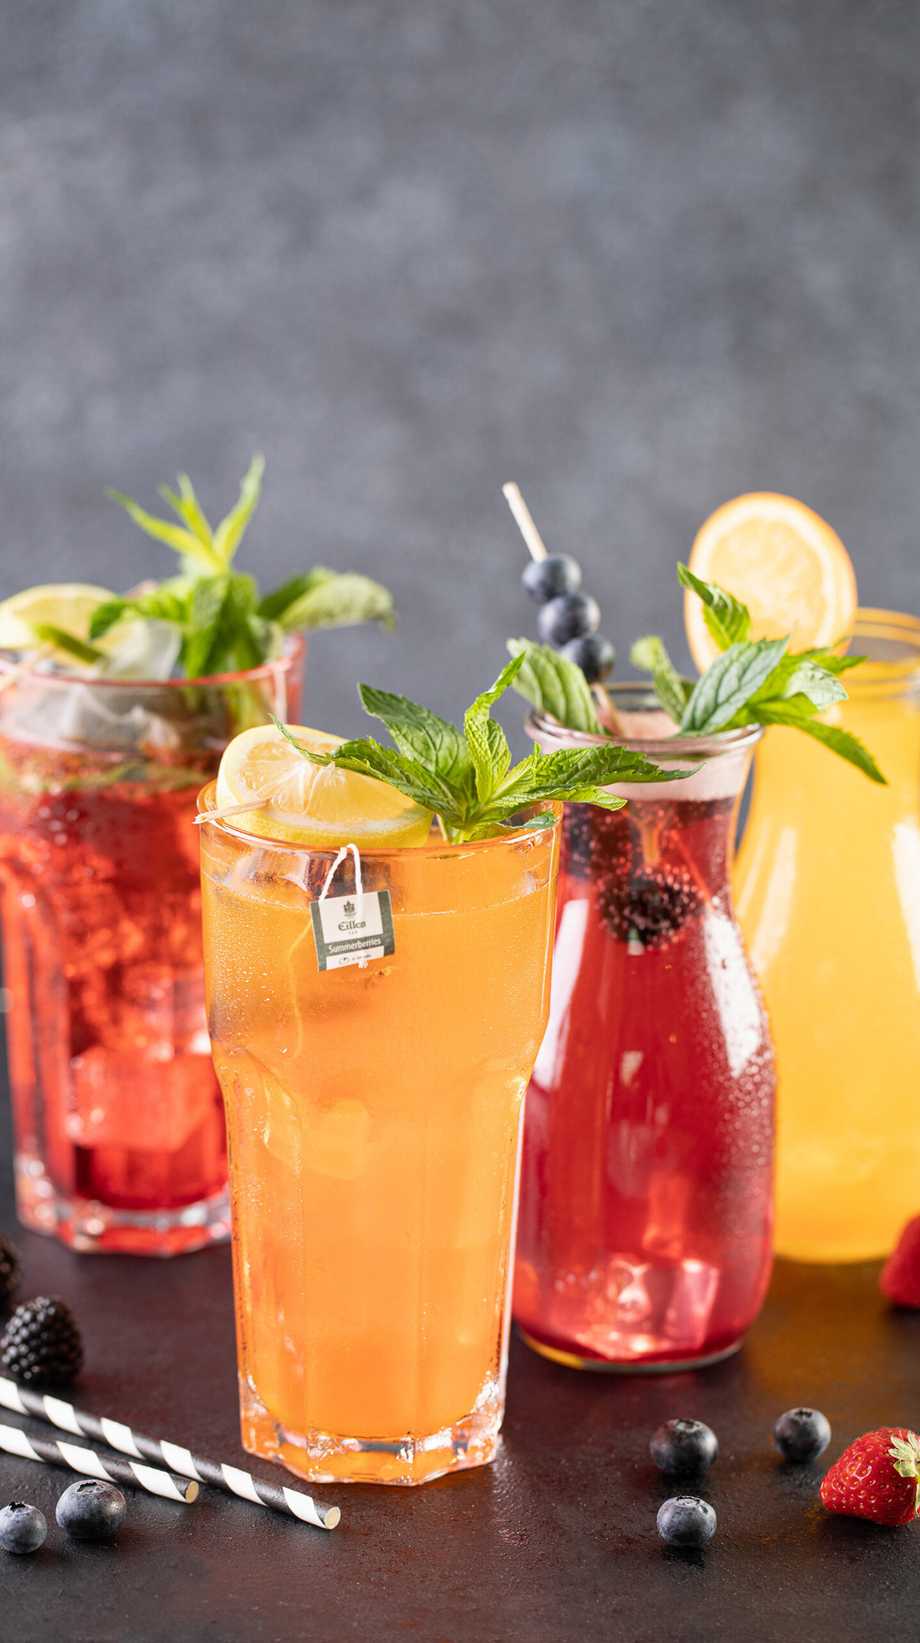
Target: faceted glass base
[
  {"x": 630, "y": 1366},
  {"x": 322, "y": 1457},
  {"x": 94, "y": 1228}
]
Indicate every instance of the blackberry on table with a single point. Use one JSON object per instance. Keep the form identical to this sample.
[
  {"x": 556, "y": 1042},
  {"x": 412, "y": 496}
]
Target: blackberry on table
[
  {"x": 41, "y": 1345},
  {"x": 648, "y": 907},
  {"x": 9, "y": 1271}
]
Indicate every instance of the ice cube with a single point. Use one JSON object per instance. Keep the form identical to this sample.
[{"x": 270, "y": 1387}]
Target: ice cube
[{"x": 143, "y": 650}]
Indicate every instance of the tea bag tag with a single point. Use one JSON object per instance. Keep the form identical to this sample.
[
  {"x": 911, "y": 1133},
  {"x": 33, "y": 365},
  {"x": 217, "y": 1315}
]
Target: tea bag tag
[{"x": 351, "y": 929}]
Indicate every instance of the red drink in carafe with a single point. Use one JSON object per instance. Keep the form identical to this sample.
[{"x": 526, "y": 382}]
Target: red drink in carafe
[{"x": 646, "y": 1200}]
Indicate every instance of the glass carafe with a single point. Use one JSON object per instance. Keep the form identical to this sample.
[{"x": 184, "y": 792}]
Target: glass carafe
[
  {"x": 646, "y": 1207},
  {"x": 828, "y": 891}
]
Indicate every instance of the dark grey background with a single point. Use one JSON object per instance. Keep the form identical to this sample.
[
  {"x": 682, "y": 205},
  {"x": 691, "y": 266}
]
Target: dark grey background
[{"x": 639, "y": 256}]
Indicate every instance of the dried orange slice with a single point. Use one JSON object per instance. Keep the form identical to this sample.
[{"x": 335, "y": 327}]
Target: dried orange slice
[{"x": 784, "y": 562}]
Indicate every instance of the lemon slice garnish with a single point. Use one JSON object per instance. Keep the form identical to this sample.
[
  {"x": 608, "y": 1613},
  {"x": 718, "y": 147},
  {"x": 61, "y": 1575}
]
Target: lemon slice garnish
[{"x": 314, "y": 805}]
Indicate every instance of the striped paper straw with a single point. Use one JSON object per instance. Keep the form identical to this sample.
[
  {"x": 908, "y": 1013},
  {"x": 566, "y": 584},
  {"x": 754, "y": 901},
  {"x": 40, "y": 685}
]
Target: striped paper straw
[
  {"x": 231, "y": 1479},
  {"x": 108, "y": 1470}
]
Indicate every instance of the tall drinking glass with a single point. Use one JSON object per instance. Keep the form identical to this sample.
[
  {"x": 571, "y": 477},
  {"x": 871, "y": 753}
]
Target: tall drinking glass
[
  {"x": 119, "y": 1132},
  {"x": 828, "y": 888},
  {"x": 646, "y": 1189},
  {"x": 374, "y": 1118}
]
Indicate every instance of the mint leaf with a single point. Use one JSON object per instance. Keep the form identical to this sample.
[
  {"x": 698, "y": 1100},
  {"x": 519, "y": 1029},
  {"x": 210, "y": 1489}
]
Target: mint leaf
[
  {"x": 797, "y": 676},
  {"x": 275, "y": 604},
  {"x": 68, "y": 643},
  {"x": 229, "y": 532},
  {"x": 176, "y": 537},
  {"x": 650, "y": 655},
  {"x": 189, "y": 510},
  {"x": 487, "y": 743},
  {"x": 207, "y": 604},
  {"x": 728, "y": 685},
  {"x": 159, "y": 605},
  {"x": 830, "y": 660},
  {"x": 383, "y": 764},
  {"x": 421, "y": 735},
  {"x": 575, "y": 773},
  {"x": 727, "y": 619},
  {"x": 556, "y": 686},
  {"x": 339, "y": 600},
  {"x": 839, "y": 741}
]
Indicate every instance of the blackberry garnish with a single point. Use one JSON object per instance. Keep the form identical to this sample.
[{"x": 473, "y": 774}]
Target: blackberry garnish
[
  {"x": 648, "y": 907},
  {"x": 9, "y": 1272},
  {"x": 41, "y": 1344}
]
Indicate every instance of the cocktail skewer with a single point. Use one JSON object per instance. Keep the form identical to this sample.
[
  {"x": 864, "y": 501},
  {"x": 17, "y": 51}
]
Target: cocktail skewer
[
  {"x": 231, "y": 1479},
  {"x": 523, "y": 518},
  {"x": 108, "y": 1468},
  {"x": 537, "y": 549}
]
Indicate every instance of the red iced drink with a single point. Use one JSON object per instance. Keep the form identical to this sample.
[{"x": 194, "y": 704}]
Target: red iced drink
[{"x": 646, "y": 1207}]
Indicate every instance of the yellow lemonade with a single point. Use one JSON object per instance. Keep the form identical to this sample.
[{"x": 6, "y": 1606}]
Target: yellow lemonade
[{"x": 828, "y": 894}]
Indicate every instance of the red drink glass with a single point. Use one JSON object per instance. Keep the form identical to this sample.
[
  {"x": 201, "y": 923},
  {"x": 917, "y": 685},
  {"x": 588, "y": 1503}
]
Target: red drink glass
[
  {"x": 645, "y": 1225},
  {"x": 118, "y": 1119}
]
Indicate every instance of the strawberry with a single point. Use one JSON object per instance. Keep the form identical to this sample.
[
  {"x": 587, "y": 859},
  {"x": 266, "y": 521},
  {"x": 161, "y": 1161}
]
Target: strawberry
[
  {"x": 877, "y": 1477},
  {"x": 900, "y": 1280}
]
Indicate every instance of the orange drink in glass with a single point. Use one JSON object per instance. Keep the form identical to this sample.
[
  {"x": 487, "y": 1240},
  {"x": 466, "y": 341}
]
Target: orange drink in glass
[{"x": 374, "y": 1121}]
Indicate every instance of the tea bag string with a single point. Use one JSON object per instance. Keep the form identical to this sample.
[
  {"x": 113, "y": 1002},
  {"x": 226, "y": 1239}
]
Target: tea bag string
[{"x": 340, "y": 856}]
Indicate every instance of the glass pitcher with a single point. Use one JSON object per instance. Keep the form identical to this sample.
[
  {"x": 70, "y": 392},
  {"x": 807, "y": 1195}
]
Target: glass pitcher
[
  {"x": 828, "y": 892},
  {"x": 646, "y": 1203}
]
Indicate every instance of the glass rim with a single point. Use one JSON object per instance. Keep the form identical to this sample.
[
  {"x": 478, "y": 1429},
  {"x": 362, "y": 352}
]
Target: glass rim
[
  {"x": 295, "y": 646},
  {"x": 897, "y": 626},
  {"x": 673, "y": 748},
  {"x": 440, "y": 847}
]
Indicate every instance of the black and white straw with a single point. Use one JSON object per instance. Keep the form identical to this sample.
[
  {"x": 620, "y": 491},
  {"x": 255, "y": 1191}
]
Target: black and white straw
[
  {"x": 231, "y": 1479},
  {"x": 109, "y": 1468}
]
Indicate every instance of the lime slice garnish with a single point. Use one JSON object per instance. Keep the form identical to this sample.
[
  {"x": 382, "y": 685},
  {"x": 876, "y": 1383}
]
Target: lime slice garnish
[{"x": 67, "y": 605}]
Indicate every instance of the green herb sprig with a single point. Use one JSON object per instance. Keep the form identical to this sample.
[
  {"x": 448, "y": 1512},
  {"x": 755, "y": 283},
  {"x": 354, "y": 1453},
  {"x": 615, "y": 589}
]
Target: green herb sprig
[
  {"x": 752, "y": 681},
  {"x": 465, "y": 776},
  {"x": 225, "y": 624}
]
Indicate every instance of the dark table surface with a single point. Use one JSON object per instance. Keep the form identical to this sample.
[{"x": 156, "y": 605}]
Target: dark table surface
[{"x": 555, "y": 1541}]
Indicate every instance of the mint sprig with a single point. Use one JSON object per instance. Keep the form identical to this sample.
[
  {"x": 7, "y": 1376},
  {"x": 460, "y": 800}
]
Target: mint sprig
[
  {"x": 726, "y": 618},
  {"x": 650, "y": 655},
  {"x": 226, "y": 624},
  {"x": 465, "y": 777},
  {"x": 554, "y": 685},
  {"x": 754, "y": 681}
]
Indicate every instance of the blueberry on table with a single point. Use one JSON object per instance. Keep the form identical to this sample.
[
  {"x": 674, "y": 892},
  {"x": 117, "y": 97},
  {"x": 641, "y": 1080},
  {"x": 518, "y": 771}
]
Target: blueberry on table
[
  {"x": 684, "y": 1448},
  {"x": 91, "y": 1510},
  {"x": 593, "y": 654},
  {"x": 802, "y": 1434},
  {"x": 547, "y": 578},
  {"x": 22, "y": 1528},
  {"x": 570, "y": 616},
  {"x": 685, "y": 1520}
]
